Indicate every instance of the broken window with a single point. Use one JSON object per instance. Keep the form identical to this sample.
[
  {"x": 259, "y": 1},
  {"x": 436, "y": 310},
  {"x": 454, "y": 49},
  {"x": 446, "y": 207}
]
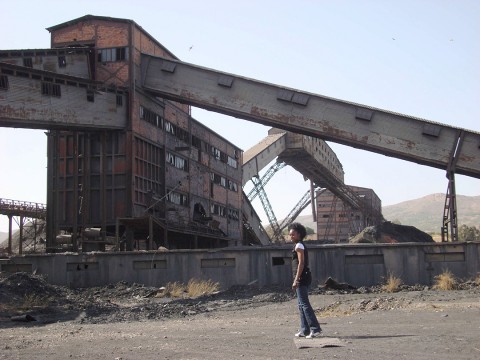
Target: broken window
[
  {"x": 150, "y": 116},
  {"x": 177, "y": 161},
  {"x": 216, "y": 209},
  {"x": 232, "y": 162},
  {"x": 177, "y": 198},
  {"x": 233, "y": 214}
]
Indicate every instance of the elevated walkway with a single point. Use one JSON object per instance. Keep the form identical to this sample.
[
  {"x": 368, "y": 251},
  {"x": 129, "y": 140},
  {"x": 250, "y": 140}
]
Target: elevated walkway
[{"x": 23, "y": 208}]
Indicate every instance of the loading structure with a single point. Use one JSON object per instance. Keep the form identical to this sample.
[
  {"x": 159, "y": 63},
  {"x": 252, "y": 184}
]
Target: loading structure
[
  {"x": 125, "y": 155},
  {"x": 136, "y": 166},
  {"x": 349, "y": 209}
]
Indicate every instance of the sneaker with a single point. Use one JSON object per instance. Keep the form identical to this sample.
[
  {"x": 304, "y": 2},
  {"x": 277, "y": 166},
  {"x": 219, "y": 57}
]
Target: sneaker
[
  {"x": 314, "y": 335},
  {"x": 300, "y": 334}
]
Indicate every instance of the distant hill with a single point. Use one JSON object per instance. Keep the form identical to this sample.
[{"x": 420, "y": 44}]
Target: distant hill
[
  {"x": 307, "y": 221},
  {"x": 426, "y": 213},
  {"x": 3, "y": 236}
]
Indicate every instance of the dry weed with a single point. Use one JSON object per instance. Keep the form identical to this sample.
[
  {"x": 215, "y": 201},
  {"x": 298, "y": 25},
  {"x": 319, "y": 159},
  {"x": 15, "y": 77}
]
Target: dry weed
[
  {"x": 333, "y": 310},
  {"x": 193, "y": 289},
  {"x": 174, "y": 290},
  {"x": 445, "y": 281},
  {"x": 477, "y": 280},
  {"x": 393, "y": 284},
  {"x": 197, "y": 288}
]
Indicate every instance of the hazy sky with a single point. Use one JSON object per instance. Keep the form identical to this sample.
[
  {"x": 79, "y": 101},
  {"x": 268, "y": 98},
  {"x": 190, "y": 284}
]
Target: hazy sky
[{"x": 418, "y": 58}]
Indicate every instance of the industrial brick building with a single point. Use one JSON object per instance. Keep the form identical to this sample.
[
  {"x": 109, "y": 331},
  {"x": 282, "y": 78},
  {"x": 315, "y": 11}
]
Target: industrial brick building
[
  {"x": 163, "y": 180},
  {"x": 337, "y": 221}
]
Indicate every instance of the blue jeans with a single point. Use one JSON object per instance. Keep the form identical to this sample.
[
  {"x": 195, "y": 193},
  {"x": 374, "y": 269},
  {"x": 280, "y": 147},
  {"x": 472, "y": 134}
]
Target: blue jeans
[{"x": 308, "y": 320}]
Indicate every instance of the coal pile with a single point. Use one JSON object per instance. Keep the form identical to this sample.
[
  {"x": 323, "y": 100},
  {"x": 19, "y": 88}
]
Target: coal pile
[{"x": 390, "y": 233}]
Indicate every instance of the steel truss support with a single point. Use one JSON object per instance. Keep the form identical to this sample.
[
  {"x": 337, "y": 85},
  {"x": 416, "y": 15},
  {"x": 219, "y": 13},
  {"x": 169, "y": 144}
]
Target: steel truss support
[
  {"x": 266, "y": 178},
  {"x": 450, "y": 209},
  {"x": 272, "y": 219},
  {"x": 301, "y": 205}
]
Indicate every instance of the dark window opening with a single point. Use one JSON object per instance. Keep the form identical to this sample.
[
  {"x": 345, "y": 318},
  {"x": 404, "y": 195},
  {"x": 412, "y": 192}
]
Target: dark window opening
[
  {"x": 119, "y": 100},
  {"x": 277, "y": 261},
  {"x": 199, "y": 214},
  {"x": 51, "y": 89},
  {"x": 151, "y": 117},
  {"x": 90, "y": 95},
  {"x": 4, "y": 82},
  {"x": 196, "y": 142},
  {"x": 27, "y": 62},
  {"x": 62, "y": 61}
]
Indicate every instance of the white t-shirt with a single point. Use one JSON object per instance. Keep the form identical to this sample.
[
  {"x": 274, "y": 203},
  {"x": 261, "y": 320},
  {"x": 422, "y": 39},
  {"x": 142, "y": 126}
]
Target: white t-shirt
[{"x": 299, "y": 246}]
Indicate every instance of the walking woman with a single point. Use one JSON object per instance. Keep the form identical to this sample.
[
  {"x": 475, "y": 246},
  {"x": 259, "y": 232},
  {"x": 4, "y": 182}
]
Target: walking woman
[{"x": 302, "y": 278}]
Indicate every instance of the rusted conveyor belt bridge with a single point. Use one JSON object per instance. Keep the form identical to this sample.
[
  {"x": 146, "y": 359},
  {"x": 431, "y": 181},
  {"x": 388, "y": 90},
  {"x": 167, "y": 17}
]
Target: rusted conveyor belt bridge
[{"x": 396, "y": 135}]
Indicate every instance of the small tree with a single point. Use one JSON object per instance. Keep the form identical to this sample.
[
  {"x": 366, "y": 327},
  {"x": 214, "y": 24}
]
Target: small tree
[
  {"x": 310, "y": 231},
  {"x": 468, "y": 233}
]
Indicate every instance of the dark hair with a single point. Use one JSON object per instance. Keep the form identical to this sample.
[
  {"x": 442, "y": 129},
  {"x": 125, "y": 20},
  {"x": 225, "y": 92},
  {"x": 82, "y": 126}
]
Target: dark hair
[{"x": 298, "y": 228}]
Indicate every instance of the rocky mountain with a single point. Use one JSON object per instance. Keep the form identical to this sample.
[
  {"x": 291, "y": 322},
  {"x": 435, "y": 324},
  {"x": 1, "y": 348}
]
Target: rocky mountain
[
  {"x": 426, "y": 213},
  {"x": 3, "y": 236}
]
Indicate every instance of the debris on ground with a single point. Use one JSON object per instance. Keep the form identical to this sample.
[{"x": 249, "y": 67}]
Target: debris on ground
[
  {"x": 26, "y": 297},
  {"x": 333, "y": 284}
]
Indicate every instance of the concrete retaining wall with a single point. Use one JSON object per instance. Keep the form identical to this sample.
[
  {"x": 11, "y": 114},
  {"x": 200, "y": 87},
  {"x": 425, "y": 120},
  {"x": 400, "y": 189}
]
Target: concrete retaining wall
[{"x": 358, "y": 265}]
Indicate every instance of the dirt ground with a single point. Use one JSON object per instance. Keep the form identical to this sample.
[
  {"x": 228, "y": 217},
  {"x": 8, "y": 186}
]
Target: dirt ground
[{"x": 129, "y": 321}]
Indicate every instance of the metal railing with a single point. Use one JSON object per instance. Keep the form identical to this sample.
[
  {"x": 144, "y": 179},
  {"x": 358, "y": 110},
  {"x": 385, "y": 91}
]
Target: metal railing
[{"x": 23, "y": 208}]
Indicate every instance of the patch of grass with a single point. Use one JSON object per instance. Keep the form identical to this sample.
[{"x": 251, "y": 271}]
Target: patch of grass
[
  {"x": 174, "y": 290},
  {"x": 445, "y": 281},
  {"x": 333, "y": 310},
  {"x": 392, "y": 284},
  {"x": 193, "y": 289},
  {"x": 196, "y": 288}
]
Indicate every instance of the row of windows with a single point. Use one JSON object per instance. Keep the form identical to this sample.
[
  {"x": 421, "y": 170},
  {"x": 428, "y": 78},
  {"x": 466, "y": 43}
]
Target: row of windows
[
  {"x": 221, "y": 180},
  {"x": 112, "y": 54},
  {"x": 215, "y": 209},
  {"x": 182, "y": 134},
  {"x": 51, "y": 89},
  {"x": 216, "y": 153},
  {"x": 159, "y": 122},
  {"x": 62, "y": 62}
]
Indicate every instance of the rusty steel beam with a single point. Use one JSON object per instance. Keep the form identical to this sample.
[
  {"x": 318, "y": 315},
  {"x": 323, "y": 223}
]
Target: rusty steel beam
[{"x": 364, "y": 127}]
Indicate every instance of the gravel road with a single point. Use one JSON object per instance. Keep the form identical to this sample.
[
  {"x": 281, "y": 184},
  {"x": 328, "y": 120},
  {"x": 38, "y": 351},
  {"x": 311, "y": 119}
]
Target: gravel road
[{"x": 126, "y": 321}]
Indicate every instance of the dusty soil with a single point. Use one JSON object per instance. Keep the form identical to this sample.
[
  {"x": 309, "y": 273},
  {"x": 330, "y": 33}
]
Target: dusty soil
[{"x": 130, "y": 321}]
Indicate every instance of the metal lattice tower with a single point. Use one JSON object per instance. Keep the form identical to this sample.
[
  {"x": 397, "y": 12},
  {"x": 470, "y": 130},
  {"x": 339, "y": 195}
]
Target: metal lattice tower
[
  {"x": 266, "y": 178},
  {"x": 272, "y": 219}
]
